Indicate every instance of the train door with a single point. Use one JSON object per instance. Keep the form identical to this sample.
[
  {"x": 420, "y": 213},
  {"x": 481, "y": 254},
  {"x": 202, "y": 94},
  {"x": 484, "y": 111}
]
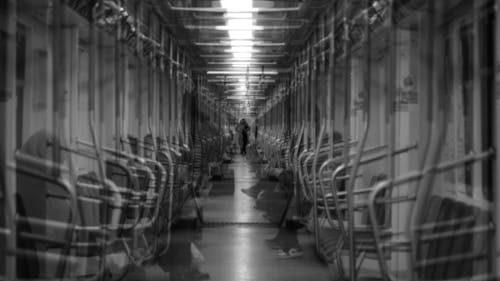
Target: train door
[
  {"x": 467, "y": 42},
  {"x": 464, "y": 93}
]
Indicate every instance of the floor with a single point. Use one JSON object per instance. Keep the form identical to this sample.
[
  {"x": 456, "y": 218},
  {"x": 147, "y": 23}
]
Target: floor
[
  {"x": 237, "y": 252},
  {"x": 233, "y": 243},
  {"x": 236, "y": 207}
]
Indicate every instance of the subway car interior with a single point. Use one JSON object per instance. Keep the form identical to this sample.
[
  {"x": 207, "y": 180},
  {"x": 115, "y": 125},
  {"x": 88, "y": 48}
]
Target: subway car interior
[{"x": 249, "y": 140}]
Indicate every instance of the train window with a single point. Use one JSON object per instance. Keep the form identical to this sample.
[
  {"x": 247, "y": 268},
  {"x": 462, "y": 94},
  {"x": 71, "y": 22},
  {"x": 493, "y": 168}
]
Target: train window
[{"x": 469, "y": 82}]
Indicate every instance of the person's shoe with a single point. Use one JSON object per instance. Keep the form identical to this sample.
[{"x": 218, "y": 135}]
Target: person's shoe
[{"x": 290, "y": 254}]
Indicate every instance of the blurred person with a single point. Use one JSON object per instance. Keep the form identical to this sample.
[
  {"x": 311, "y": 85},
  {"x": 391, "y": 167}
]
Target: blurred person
[{"x": 243, "y": 130}]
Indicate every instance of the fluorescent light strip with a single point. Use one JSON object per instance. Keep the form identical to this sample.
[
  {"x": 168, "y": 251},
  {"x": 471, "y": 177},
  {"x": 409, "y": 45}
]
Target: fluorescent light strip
[
  {"x": 241, "y": 50},
  {"x": 240, "y": 43},
  {"x": 237, "y": 5},
  {"x": 249, "y": 98},
  {"x": 235, "y": 61},
  {"x": 241, "y": 78},
  {"x": 238, "y": 28},
  {"x": 242, "y": 55},
  {"x": 238, "y": 15},
  {"x": 244, "y": 91},
  {"x": 266, "y": 72}
]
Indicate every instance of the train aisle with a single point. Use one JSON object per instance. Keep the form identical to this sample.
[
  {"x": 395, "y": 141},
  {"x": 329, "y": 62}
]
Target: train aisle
[{"x": 233, "y": 242}]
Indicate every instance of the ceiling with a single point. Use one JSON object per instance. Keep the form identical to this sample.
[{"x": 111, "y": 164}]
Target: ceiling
[{"x": 245, "y": 47}]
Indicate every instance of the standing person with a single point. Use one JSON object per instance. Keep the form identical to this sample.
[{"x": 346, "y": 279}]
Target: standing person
[{"x": 243, "y": 129}]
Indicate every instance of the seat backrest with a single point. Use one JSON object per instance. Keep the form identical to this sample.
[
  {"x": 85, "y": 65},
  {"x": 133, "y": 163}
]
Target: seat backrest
[
  {"x": 447, "y": 248},
  {"x": 46, "y": 216}
]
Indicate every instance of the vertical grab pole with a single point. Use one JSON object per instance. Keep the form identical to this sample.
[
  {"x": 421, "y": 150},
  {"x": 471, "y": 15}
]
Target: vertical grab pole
[
  {"x": 496, "y": 166},
  {"x": 138, "y": 51},
  {"x": 361, "y": 145},
  {"x": 172, "y": 91},
  {"x": 92, "y": 88},
  {"x": 152, "y": 88},
  {"x": 331, "y": 82},
  {"x": 8, "y": 19},
  {"x": 347, "y": 102},
  {"x": 391, "y": 99},
  {"x": 310, "y": 93},
  {"x": 161, "y": 85},
  {"x": 59, "y": 75},
  {"x": 319, "y": 140},
  {"x": 305, "y": 99},
  {"x": 118, "y": 82},
  {"x": 93, "y": 45},
  {"x": 437, "y": 143}
]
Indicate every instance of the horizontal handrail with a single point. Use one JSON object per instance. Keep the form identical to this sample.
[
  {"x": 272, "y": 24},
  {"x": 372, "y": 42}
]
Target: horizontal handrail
[{"x": 399, "y": 182}]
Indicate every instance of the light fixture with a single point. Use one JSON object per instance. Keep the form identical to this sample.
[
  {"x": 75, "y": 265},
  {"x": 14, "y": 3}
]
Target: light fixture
[
  {"x": 240, "y": 34},
  {"x": 241, "y": 43},
  {"x": 238, "y": 15},
  {"x": 241, "y": 64},
  {"x": 241, "y": 61},
  {"x": 239, "y": 27},
  {"x": 237, "y": 5},
  {"x": 242, "y": 55},
  {"x": 236, "y": 72},
  {"x": 241, "y": 49},
  {"x": 241, "y": 97}
]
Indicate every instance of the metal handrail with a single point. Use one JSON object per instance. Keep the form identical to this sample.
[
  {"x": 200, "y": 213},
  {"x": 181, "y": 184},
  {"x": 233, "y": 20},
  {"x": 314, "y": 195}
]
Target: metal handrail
[
  {"x": 170, "y": 197},
  {"x": 73, "y": 214},
  {"x": 411, "y": 177},
  {"x": 314, "y": 191}
]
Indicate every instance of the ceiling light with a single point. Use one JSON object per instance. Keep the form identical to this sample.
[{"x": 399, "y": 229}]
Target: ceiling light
[
  {"x": 242, "y": 64},
  {"x": 240, "y": 23},
  {"x": 241, "y": 49},
  {"x": 237, "y": 5},
  {"x": 238, "y": 15},
  {"x": 235, "y": 72},
  {"x": 242, "y": 55},
  {"x": 241, "y": 43},
  {"x": 239, "y": 27},
  {"x": 240, "y": 34},
  {"x": 244, "y": 97}
]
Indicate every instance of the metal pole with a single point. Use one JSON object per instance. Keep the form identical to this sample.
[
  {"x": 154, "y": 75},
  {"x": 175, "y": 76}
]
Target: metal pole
[
  {"x": 118, "y": 83},
  {"x": 331, "y": 83},
  {"x": 347, "y": 129},
  {"x": 139, "y": 67},
  {"x": 8, "y": 19},
  {"x": 496, "y": 166},
  {"x": 172, "y": 92}
]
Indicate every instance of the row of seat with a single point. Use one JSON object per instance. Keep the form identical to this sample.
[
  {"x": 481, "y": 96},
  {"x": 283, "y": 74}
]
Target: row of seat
[
  {"x": 435, "y": 226},
  {"x": 98, "y": 224}
]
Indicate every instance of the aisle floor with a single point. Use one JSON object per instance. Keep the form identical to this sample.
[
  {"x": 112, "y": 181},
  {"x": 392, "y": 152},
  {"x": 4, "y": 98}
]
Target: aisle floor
[
  {"x": 234, "y": 249},
  {"x": 237, "y": 252}
]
